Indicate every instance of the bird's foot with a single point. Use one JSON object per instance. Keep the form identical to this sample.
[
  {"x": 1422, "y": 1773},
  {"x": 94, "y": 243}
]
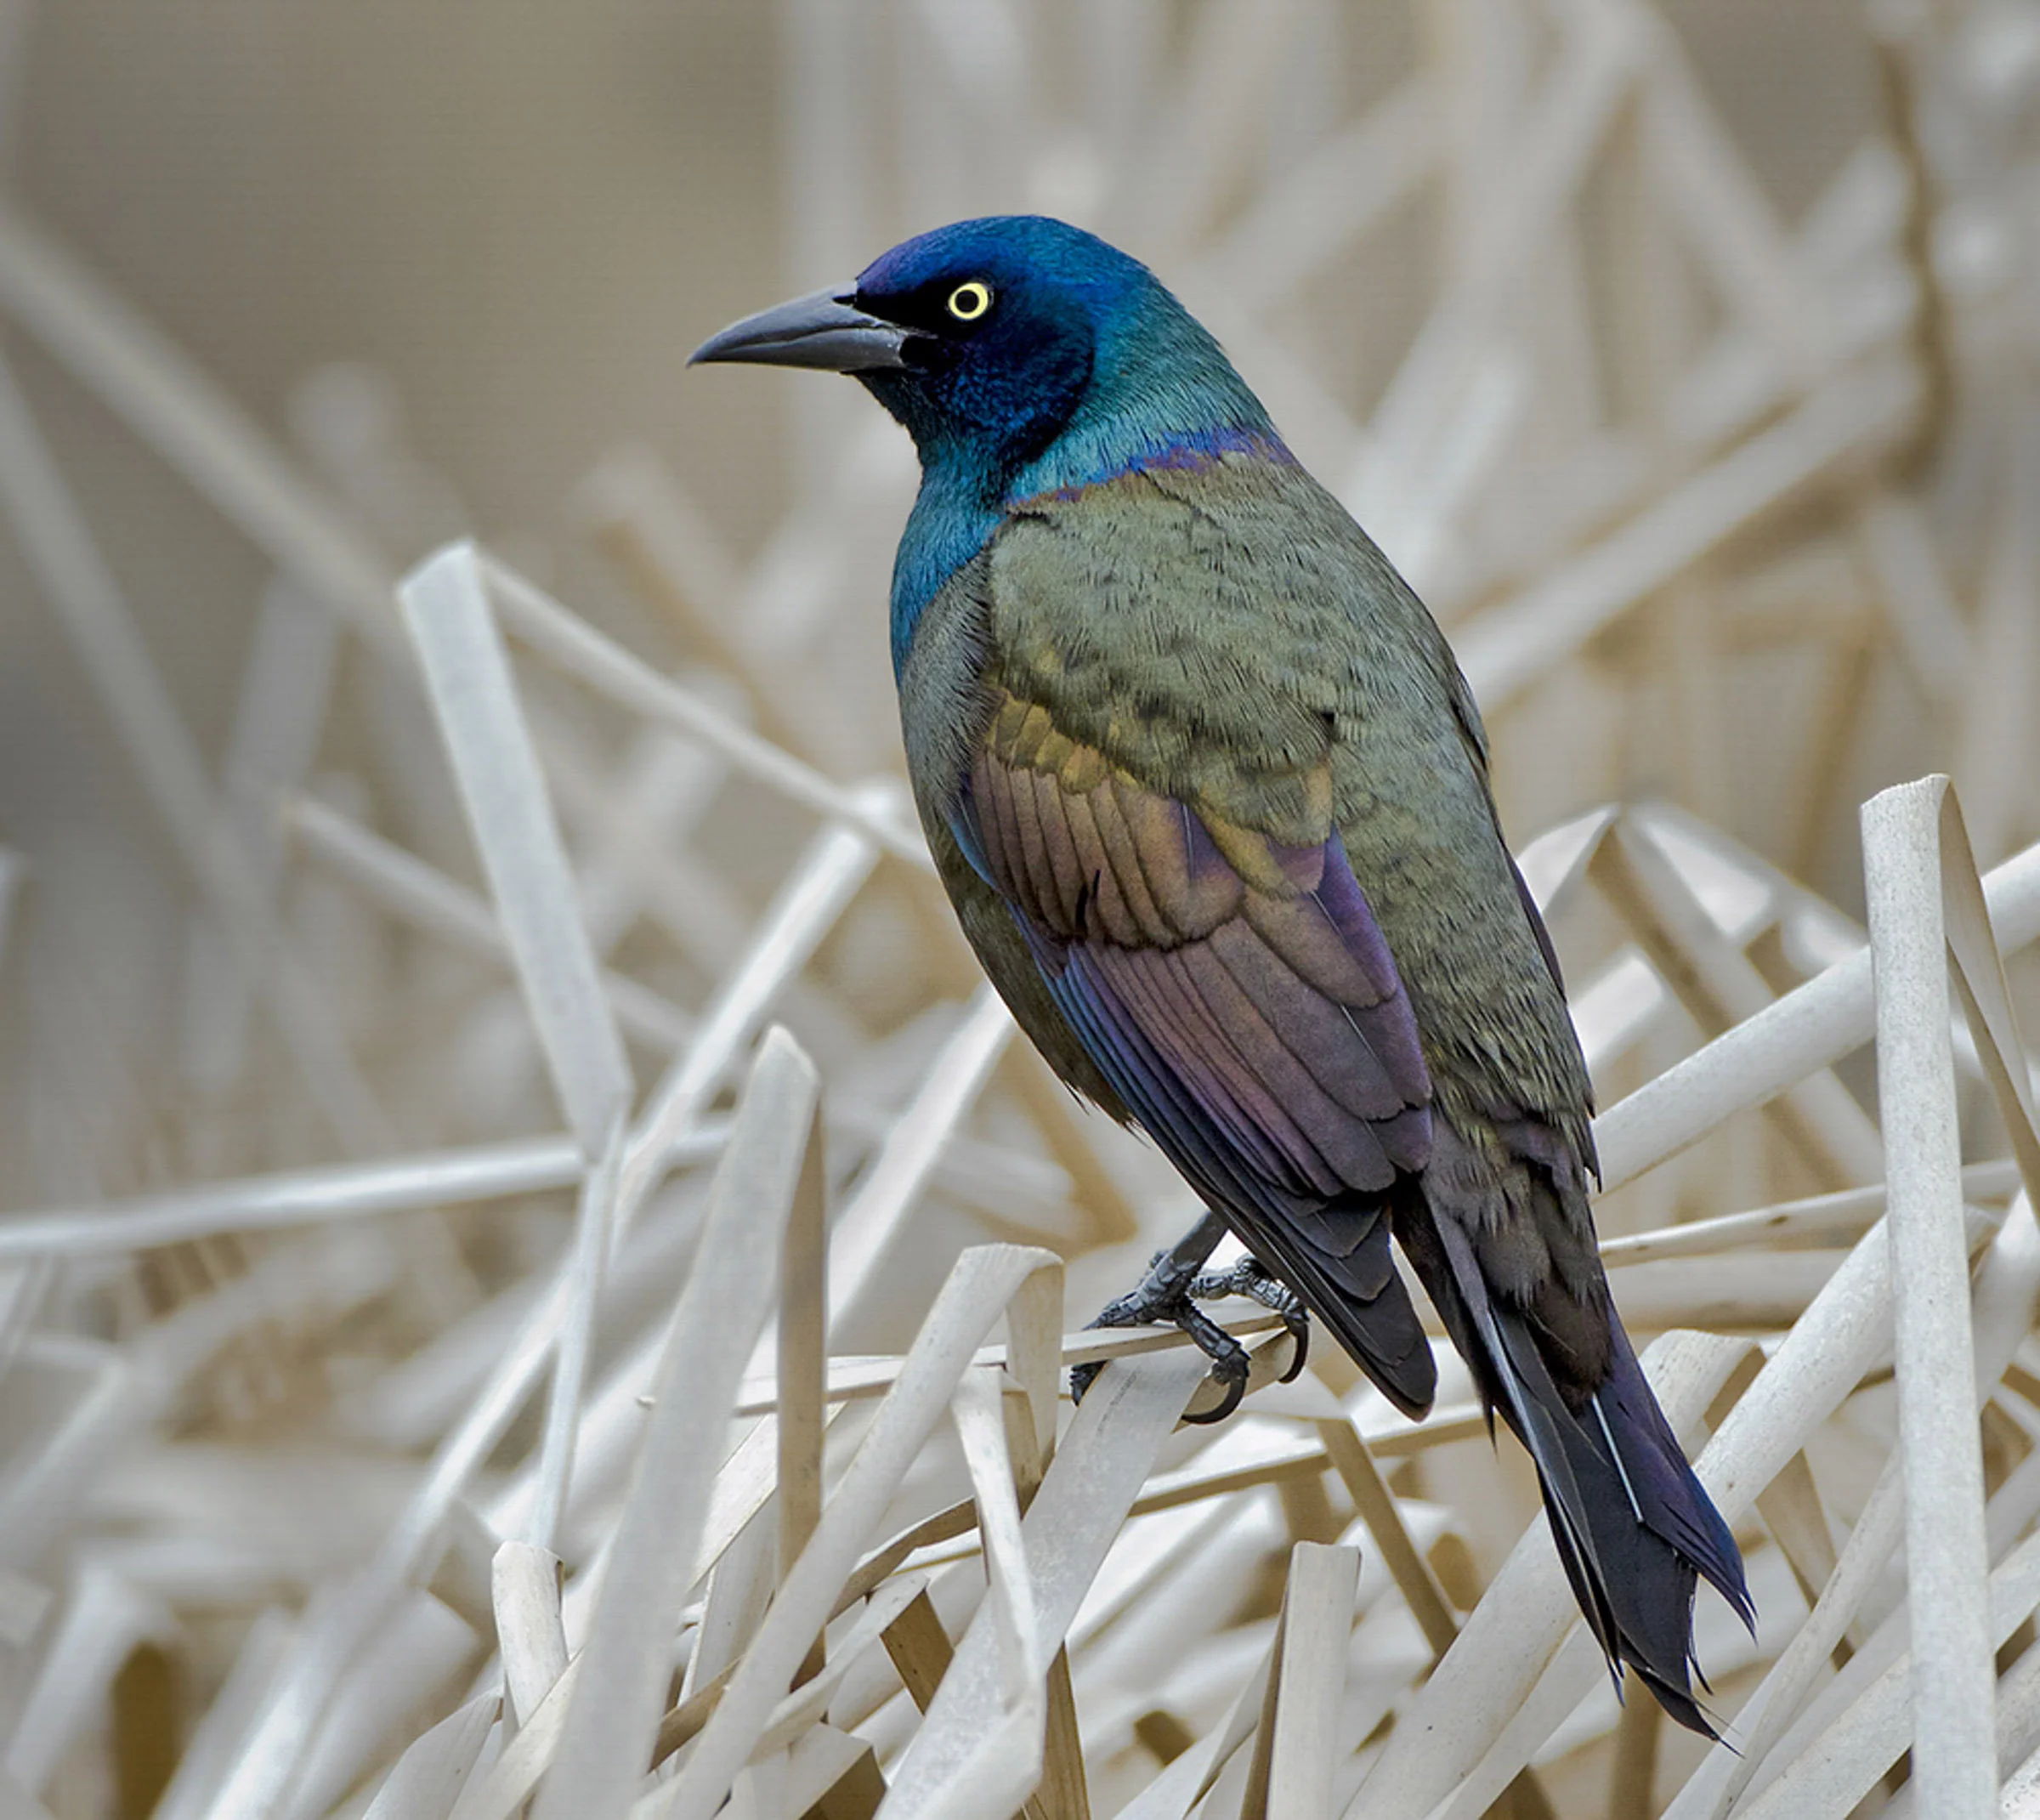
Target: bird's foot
[
  {"x": 1252, "y": 1278},
  {"x": 1168, "y": 1297}
]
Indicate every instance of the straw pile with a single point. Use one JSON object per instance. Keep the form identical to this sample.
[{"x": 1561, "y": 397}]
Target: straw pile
[{"x": 594, "y": 1333}]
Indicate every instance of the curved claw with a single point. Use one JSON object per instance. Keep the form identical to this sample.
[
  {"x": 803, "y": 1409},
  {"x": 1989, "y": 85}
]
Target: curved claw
[
  {"x": 1083, "y": 1377},
  {"x": 1236, "y": 1388},
  {"x": 1300, "y": 1332},
  {"x": 1295, "y": 1318}
]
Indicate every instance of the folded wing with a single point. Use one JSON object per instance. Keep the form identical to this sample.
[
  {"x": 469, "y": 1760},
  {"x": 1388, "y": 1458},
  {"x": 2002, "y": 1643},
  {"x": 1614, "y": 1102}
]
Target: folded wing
[{"x": 1238, "y": 994}]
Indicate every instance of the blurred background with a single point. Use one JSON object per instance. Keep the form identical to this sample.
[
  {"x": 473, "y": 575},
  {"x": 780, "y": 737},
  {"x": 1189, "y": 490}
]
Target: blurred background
[
  {"x": 1682, "y": 354},
  {"x": 455, "y": 259}
]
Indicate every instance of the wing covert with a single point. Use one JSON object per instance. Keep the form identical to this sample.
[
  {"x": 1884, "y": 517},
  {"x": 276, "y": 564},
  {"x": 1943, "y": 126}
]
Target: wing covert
[{"x": 1236, "y": 990}]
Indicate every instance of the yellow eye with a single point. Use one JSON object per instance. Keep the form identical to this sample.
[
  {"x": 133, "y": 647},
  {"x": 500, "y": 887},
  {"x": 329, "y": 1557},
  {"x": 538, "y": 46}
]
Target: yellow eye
[{"x": 970, "y": 301}]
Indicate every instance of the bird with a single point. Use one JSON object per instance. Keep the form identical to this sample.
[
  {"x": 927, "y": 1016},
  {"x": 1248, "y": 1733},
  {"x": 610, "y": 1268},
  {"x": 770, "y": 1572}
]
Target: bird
[{"x": 1211, "y": 797}]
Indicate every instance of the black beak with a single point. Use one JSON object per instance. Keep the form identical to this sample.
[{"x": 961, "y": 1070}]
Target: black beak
[{"x": 824, "y": 329}]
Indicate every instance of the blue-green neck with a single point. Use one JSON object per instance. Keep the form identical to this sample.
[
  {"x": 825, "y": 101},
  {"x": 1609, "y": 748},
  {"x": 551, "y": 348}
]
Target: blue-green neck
[{"x": 1176, "y": 403}]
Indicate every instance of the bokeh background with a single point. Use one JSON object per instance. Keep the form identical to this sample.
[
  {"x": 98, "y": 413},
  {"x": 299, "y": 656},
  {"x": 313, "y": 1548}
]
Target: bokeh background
[
  {"x": 1682, "y": 354},
  {"x": 503, "y": 226}
]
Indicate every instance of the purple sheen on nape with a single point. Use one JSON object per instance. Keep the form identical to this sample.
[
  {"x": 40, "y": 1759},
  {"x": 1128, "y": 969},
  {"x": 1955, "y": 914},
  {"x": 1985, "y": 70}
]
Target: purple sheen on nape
[
  {"x": 1198, "y": 450},
  {"x": 1179, "y": 452}
]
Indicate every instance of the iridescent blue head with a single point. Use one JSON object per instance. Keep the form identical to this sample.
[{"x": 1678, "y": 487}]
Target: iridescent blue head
[
  {"x": 992, "y": 340},
  {"x": 1023, "y": 355}
]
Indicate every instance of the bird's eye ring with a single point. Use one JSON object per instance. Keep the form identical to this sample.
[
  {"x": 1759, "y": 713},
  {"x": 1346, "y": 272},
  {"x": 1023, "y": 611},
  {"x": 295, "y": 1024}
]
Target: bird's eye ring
[{"x": 968, "y": 302}]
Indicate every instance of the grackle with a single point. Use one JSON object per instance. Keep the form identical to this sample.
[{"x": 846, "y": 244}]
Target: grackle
[{"x": 1211, "y": 796}]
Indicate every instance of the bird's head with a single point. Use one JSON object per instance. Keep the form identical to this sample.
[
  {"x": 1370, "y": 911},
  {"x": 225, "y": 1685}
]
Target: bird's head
[{"x": 993, "y": 339}]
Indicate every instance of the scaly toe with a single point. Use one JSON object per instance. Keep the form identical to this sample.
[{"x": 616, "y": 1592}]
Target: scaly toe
[{"x": 1250, "y": 1278}]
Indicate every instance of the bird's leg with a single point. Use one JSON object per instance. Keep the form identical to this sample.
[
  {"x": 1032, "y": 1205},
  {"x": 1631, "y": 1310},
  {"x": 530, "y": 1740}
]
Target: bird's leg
[
  {"x": 1169, "y": 1277},
  {"x": 1168, "y": 1296}
]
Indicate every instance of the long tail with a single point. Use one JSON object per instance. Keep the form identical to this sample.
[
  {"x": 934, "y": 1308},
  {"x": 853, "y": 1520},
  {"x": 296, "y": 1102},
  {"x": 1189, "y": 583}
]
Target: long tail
[{"x": 1633, "y": 1525}]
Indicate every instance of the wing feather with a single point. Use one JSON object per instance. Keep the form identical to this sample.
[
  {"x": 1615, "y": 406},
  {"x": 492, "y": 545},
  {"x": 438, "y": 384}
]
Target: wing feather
[{"x": 1239, "y": 996}]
